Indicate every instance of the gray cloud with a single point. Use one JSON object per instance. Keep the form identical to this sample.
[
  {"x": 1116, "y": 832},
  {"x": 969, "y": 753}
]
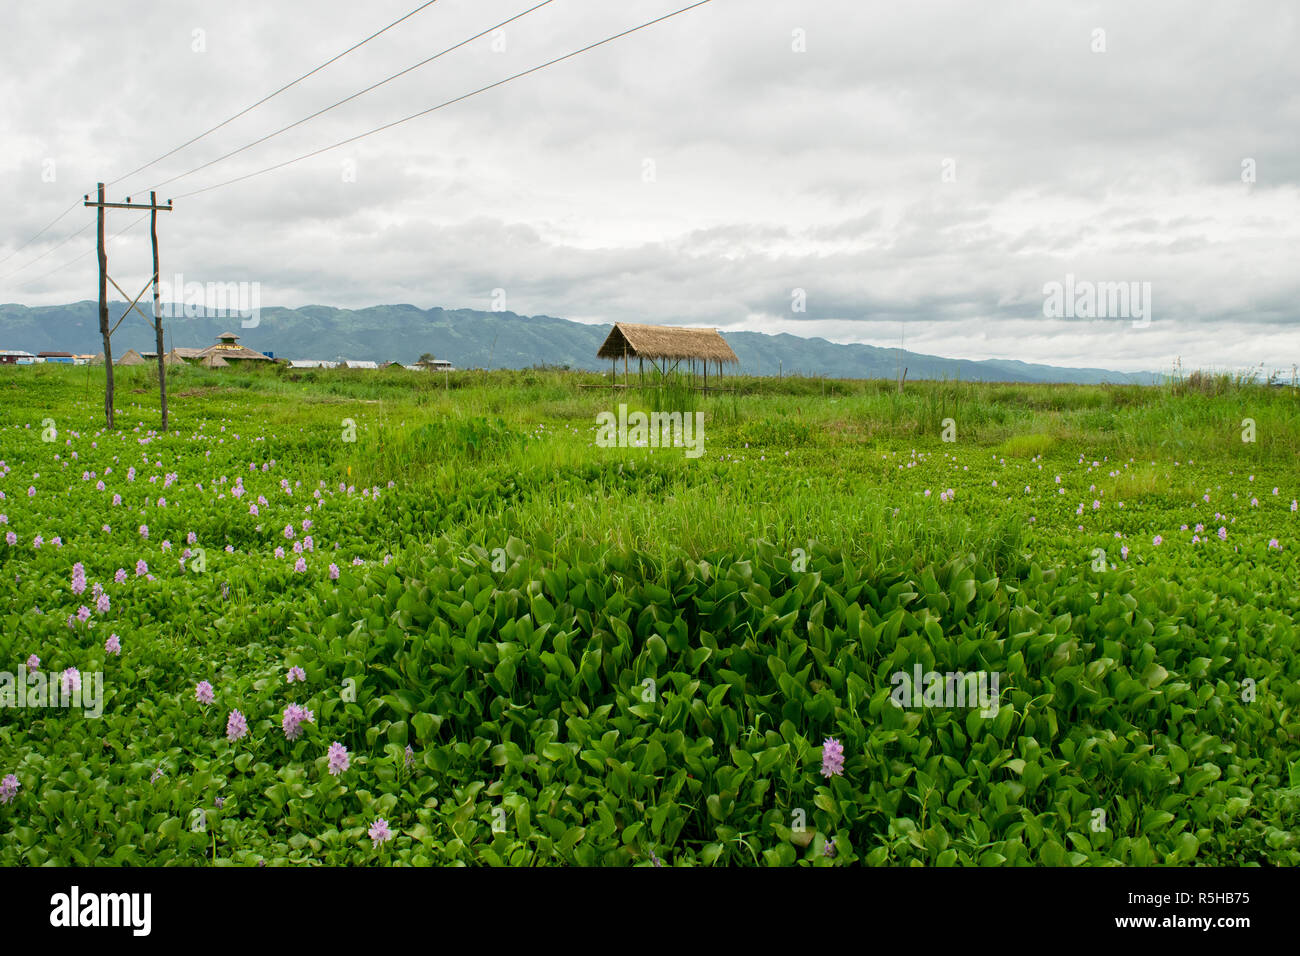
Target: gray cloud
[{"x": 773, "y": 170}]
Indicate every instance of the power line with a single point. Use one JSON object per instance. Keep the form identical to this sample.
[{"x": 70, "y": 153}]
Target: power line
[
  {"x": 77, "y": 258},
  {"x": 348, "y": 99},
  {"x": 44, "y": 229},
  {"x": 190, "y": 142},
  {"x": 53, "y": 248},
  {"x": 270, "y": 96},
  {"x": 443, "y": 105}
]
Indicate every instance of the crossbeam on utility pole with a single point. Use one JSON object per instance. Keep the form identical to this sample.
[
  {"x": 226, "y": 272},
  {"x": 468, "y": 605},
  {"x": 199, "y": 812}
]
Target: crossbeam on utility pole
[{"x": 100, "y": 205}]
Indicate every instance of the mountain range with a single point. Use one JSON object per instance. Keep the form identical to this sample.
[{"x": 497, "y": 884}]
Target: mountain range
[{"x": 475, "y": 339}]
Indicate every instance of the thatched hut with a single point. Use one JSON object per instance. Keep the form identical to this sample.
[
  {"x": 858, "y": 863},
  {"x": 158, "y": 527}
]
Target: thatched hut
[
  {"x": 131, "y": 357},
  {"x": 214, "y": 361},
  {"x": 229, "y": 350},
  {"x": 661, "y": 344}
]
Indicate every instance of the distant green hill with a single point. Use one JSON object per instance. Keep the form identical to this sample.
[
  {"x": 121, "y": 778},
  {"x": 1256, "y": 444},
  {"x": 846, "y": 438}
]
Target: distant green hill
[{"x": 473, "y": 339}]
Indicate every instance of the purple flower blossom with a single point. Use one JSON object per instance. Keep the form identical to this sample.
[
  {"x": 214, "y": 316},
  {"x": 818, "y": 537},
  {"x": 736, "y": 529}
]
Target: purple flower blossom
[
  {"x": 102, "y": 604},
  {"x": 236, "y": 726},
  {"x": 71, "y": 680},
  {"x": 379, "y": 832},
  {"x": 113, "y": 645},
  {"x": 9, "y": 788},
  {"x": 339, "y": 758},
  {"x": 334, "y": 572},
  {"x": 33, "y": 662},
  {"x": 120, "y": 576},
  {"x": 294, "y": 716},
  {"x": 141, "y": 568},
  {"x": 203, "y": 692},
  {"x": 296, "y": 673},
  {"x": 300, "y": 565},
  {"x": 1156, "y": 540},
  {"x": 832, "y": 758}
]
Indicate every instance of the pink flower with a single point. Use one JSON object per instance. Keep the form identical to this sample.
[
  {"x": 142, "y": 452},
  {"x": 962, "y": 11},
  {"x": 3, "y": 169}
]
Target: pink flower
[
  {"x": 1223, "y": 534},
  {"x": 9, "y": 788},
  {"x": 71, "y": 679},
  {"x": 1156, "y": 540},
  {"x": 11, "y": 539},
  {"x": 334, "y": 572},
  {"x": 832, "y": 758},
  {"x": 379, "y": 833},
  {"x": 33, "y": 662},
  {"x": 300, "y": 565},
  {"x": 294, "y": 717},
  {"x": 236, "y": 726},
  {"x": 296, "y": 674},
  {"x": 144, "y": 531},
  {"x": 102, "y": 604},
  {"x": 339, "y": 758},
  {"x": 1272, "y": 543},
  {"x": 203, "y": 692},
  {"x": 113, "y": 645},
  {"x": 120, "y": 576},
  {"x": 141, "y": 568}
]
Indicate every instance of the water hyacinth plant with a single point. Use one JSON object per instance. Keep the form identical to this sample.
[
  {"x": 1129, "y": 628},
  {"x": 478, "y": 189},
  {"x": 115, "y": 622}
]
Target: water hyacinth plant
[{"x": 524, "y": 649}]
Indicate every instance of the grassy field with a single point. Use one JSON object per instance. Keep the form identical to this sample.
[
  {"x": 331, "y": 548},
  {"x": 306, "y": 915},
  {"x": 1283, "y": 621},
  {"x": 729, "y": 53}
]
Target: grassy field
[{"x": 513, "y": 646}]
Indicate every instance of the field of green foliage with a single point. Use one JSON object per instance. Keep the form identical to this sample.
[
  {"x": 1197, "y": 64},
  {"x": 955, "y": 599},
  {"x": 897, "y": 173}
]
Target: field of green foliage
[{"x": 374, "y": 618}]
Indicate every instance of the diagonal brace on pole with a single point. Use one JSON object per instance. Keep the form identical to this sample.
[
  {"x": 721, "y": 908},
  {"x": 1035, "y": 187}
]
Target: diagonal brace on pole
[{"x": 134, "y": 301}]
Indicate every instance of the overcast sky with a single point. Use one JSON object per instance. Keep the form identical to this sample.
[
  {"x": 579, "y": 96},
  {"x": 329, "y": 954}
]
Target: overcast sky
[{"x": 855, "y": 170}]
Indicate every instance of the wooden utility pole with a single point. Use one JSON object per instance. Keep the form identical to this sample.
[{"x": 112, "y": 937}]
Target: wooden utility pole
[
  {"x": 100, "y": 205},
  {"x": 157, "y": 310},
  {"x": 103, "y": 311}
]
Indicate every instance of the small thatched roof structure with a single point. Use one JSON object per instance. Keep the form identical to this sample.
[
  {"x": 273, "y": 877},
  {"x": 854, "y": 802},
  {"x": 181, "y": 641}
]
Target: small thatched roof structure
[
  {"x": 214, "y": 361},
  {"x": 172, "y": 358},
  {"x": 131, "y": 357},
  {"x": 229, "y": 349},
  {"x": 666, "y": 342}
]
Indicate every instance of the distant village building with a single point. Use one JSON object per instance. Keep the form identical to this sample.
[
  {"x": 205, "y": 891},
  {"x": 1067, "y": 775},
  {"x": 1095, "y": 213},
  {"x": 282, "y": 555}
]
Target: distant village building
[
  {"x": 433, "y": 365},
  {"x": 360, "y": 363},
  {"x": 57, "y": 358},
  {"x": 16, "y": 357},
  {"x": 131, "y": 357},
  {"x": 230, "y": 351}
]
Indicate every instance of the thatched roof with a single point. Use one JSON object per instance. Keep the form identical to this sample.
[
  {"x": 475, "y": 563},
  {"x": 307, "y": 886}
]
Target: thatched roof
[
  {"x": 172, "y": 358},
  {"x": 214, "y": 361},
  {"x": 666, "y": 342},
  {"x": 131, "y": 357}
]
